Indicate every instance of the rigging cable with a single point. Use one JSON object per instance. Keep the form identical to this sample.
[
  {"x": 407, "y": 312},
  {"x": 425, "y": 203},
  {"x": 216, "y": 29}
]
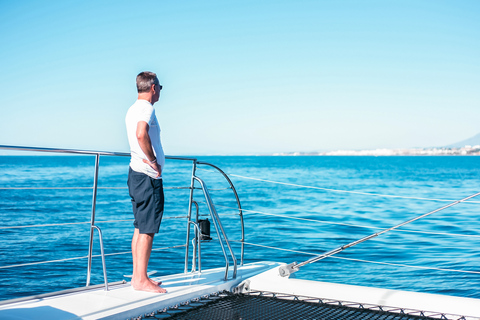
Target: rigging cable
[{"x": 294, "y": 267}]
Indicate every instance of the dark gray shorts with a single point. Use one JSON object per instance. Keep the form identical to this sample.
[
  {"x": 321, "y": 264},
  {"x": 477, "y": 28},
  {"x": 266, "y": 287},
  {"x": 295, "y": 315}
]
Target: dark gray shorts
[{"x": 147, "y": 201}]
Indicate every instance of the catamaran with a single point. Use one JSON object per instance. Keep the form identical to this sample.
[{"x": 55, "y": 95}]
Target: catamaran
[{"x": 258, "y": 290}]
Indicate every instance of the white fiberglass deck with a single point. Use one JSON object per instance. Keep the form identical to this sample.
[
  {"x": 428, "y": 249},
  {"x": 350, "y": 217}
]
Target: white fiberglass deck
[
  {"x": 122, "y": 302},
  {"x": 432, "y": 305}
]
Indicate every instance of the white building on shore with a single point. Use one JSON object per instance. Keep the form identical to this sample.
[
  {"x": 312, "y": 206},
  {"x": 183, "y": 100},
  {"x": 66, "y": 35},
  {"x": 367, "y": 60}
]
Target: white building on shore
[{"x": 463, "y": 151}]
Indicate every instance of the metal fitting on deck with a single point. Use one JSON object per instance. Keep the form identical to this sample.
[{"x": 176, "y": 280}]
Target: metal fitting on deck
[{"x": 288, "y": 269}]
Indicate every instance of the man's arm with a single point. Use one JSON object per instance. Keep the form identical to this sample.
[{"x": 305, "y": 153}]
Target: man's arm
[{"x": 146, "y": 146}]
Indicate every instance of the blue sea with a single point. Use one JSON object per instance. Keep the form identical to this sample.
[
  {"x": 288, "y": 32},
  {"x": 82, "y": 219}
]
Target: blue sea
[{"x": 294, "y": 208}]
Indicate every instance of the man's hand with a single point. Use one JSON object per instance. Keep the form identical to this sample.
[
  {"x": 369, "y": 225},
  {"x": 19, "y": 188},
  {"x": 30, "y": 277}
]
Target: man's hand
[
  {"x": 146, "y": 145},
  {"x": 155, "y": 167}
]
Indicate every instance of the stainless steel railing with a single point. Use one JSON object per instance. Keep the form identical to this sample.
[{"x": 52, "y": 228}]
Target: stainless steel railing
[
  {"x": 194, "y": 178},
  {"x": 219, "y": 228},
  {"x": 238, "y": 205}
]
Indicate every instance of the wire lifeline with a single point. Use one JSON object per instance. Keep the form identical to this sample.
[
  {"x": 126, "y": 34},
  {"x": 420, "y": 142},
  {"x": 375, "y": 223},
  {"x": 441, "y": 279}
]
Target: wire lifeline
[
  {"x": 361, "y": 260},
  {"x": 367, "y": 261},
  {"x": 79, "y": 188},
  {"x": 352, "y": 225},
  {"x": 44, "y": 225},
  {"x": 74, "y": 223},
  {"x": 84, "y": 257},
  {"x": 295, "y": 267},
  {"x": 341, "y": 191}
]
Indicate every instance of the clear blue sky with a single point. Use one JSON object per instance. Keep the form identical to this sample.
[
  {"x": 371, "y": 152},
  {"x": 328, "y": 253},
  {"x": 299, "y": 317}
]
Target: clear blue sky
[{"x": 242, "y": 77}]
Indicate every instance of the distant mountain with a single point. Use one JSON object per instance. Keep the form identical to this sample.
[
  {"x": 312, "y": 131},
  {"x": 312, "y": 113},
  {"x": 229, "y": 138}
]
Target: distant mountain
[{"x": 473, "y": 141}]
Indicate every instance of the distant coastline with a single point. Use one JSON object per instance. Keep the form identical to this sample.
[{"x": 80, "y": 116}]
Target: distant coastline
[
  {"x": 444, "y": 151},
  {"x": 467, "y": 150}
]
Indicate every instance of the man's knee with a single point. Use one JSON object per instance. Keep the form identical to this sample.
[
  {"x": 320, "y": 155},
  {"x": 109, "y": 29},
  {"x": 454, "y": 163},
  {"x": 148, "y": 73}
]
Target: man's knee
[{"x": 146, "y": 235}]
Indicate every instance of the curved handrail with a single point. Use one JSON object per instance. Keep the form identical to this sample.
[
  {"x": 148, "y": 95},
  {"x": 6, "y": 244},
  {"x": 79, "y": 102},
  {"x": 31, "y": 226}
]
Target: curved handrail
[
  {"x": 238, "y": 204},
  {"x": 218, "y": 228},
  {"x": 92, "y": 222},
  {"x": 104, "y": 265}
]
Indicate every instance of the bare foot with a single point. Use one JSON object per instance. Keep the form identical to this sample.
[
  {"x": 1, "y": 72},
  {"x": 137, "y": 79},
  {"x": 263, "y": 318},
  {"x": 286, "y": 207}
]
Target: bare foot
[
  {"x": 148, "y": 286},
  {"x": 157, "y": 283}
]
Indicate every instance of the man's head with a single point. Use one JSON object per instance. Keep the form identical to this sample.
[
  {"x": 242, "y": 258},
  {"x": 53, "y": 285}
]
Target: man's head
[
  {"x": 148, "y": 86},
  {"x": 145, "y": 80}
]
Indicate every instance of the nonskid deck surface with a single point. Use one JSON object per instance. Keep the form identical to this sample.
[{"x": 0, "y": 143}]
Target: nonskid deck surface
[{"x": 122, "y": 302}]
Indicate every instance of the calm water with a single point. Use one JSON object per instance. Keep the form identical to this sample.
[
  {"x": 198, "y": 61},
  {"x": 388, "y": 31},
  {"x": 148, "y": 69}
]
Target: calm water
[{"x": 58, "y": 191}]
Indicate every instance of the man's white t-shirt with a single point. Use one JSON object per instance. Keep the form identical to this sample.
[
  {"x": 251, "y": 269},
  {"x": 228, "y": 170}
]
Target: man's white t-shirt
[{"x": 142, "y": 110}]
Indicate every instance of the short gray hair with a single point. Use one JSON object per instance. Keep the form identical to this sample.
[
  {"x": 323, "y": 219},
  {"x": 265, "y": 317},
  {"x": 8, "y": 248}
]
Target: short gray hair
[{"x": 145, "y": 80}]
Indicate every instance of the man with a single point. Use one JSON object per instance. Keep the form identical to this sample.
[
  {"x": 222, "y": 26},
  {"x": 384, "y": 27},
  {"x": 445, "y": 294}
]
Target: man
[{"x": 145, "y": 177}]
